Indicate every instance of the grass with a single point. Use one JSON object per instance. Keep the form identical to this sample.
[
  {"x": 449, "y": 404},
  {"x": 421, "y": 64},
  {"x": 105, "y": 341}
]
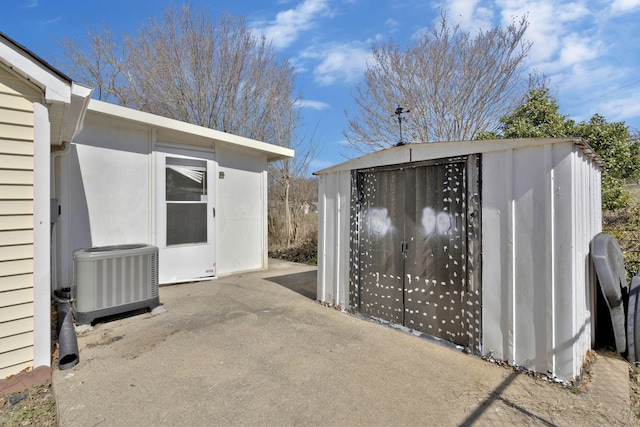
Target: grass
[
  {"x": 36, "y": 407},
  {"x": 634, "y": 190}
]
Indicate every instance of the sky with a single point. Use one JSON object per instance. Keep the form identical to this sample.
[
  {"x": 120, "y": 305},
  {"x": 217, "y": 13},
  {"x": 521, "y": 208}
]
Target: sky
[{"x": 589, "y": 49}]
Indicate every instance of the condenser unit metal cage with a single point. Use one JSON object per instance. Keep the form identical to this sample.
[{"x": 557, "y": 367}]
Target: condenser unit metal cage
[{"x": 112, "y": 280}]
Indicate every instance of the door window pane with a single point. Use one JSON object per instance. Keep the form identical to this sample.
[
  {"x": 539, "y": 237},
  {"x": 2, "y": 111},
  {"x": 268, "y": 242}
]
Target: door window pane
[
  {"x": 186, "y": 197},
  {"x": 186, "y": 223},
  {"x": 186, "y": 180}
]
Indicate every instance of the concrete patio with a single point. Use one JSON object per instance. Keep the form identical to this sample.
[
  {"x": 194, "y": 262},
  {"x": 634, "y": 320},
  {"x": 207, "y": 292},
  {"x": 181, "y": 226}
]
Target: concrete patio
[{"x": 257, "y": 349}]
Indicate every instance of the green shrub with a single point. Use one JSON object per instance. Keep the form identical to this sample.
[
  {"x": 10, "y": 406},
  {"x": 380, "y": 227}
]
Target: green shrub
[{"x": 624, "y": 225}]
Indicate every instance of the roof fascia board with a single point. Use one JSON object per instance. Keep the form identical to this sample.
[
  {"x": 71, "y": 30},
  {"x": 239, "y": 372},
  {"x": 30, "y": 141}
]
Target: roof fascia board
[
  {"x": 75, "y": 111},
  {"x": 56, "y": 89},
  {"x": 273, "y": 152}
]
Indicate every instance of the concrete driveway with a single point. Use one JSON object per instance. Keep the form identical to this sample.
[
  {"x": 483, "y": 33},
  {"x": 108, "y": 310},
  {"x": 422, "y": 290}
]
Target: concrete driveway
[{"x": 257, "y": 349}]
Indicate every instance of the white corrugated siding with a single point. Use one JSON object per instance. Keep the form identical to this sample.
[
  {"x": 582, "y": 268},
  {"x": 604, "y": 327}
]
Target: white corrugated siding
[
  {"x": 16, "y": 223},
  {"x": 333, "y": 241},
  {"x": 540, "y": 210}
]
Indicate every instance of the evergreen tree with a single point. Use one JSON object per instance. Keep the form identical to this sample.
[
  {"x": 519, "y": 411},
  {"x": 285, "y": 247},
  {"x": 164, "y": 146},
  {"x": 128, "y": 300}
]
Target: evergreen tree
[{"x": 539, "y": 117}]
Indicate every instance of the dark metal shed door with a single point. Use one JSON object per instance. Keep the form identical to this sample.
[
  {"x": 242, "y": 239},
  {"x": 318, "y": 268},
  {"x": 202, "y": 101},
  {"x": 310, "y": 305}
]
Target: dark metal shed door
[{"x": 412, "y": 247}]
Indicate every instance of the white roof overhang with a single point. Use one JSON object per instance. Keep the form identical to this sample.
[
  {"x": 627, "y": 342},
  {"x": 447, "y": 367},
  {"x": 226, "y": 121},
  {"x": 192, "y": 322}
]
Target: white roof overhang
[
  {"x": 215, "y": 137},
  {"x": 67, "y": 100}
]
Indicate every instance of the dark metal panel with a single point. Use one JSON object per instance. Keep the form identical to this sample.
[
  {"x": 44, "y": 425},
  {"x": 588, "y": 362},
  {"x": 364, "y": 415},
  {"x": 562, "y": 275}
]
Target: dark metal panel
[
  {"x": 435, "y": 281},
  {"x": 381, "y": 234},
  {"x": 354, "y": 241},
  {"x": 415, "y": 247},
  {"x": 473, "y": 303}
]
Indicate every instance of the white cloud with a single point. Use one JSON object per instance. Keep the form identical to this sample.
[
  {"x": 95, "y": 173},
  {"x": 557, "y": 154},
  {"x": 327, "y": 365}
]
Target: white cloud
[
  {"x": 573, "y": 51},
  {"x": 312, "y": 105},
  {"x": 620, "y": 6},
  {"x": 393, "y": 26},
  {"x": 343, "y": 62},
  {"x": 286, "y": 28},
  {"x": 469, "y": 14},
  {"x": 549, "y": 23},
  {"x": 392, "y": 23},
  {"x": 53, "y": 20},
  {"x": 622, "y": 108},
  {"x": 597, "y": 77},
  {"x": 594, "y": 87},
  {"x": 577, "y": 49}
]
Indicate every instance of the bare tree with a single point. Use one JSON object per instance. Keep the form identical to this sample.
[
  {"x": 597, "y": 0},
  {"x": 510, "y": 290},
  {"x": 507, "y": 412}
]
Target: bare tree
[
  {"x": 455, "y": 84},
  {"x": 217, "y": 76},
  {"x": 185, "y": 67},
  {"x": 101, "y": 61},
  {"x": 286, "y": 173}
]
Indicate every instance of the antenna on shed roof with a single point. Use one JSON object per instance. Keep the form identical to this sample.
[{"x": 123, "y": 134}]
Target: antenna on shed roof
[{"x": 399, "y": 112}]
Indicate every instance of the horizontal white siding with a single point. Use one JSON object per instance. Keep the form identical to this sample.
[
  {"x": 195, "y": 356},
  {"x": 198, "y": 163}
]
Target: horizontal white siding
[
  {"x": 16, "y": 132},
  {"x": 8, "y": 253},
  {"x": 8, "y": 359},
  {"x": 12, "y": 342},
  {"x": 18, "y": 326},
  {"x": 21, "y": 281},
  {"x": 13, "y": 312},
  {"x": 16, "y": 177},
  {"x": 24, "y": 148},
  {"x": 16, "y": 237},
  {"x": 17, "y": 101},
  {"x": 17, "y": 162},
  {"x": 16, "y": 222},
  {"x": 16, "y": 207}
]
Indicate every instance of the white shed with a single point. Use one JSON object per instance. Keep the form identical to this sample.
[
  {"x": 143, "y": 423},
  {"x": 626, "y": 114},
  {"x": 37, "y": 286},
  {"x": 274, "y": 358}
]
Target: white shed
[
  {"x": 484, "y": 244},
  {"x": 198, "y": 194}
]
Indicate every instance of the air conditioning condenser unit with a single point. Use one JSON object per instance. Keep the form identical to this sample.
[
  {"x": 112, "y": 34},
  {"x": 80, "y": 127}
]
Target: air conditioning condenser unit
[{"x": 111, "y": 280}]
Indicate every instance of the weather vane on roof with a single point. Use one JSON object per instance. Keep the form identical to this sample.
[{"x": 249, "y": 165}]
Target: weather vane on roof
[{"x": 399, "y": 112}]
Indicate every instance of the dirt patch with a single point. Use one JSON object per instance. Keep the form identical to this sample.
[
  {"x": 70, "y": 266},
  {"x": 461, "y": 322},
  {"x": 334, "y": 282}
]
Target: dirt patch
[
  {"x": 33, "y": 407},
  {"x": 104, "y": 340},
  {"x": 305, "y": 252}
]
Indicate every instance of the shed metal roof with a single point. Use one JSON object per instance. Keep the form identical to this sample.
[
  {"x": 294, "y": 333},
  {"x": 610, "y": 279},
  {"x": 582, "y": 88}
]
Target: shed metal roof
[{"x": 429, "y": 151}]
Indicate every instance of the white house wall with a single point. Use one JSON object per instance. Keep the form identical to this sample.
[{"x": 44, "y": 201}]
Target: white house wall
[
  {"x": 540, "y": 209},
  {"x": 241, "y": 219},
  {"x": 333, "y": 243},
  {"x": 105, "y": 190}
]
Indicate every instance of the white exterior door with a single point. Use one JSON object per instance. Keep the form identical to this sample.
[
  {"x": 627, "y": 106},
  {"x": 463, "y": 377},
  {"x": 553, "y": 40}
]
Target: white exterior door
[{"x": 185, "y": 228}]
